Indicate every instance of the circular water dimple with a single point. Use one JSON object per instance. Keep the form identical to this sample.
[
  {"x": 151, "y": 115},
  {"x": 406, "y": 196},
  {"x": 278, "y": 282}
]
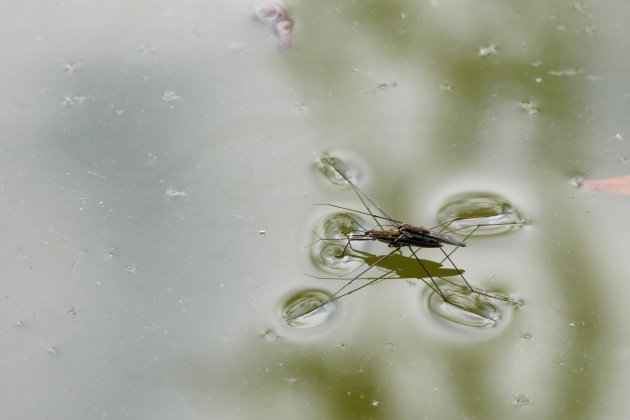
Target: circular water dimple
[
  {"x": 479, "y": 214},
  {"x": 331, "y": 256},
  {"x": 474, "y": 312},
  {"x": 330, "y": 251},
  {"x": 340, "y": 225},
  {"x": 350, "y": 169},
  {"x": 464, "y": 308},
  {"x": 308, "y": 309}
]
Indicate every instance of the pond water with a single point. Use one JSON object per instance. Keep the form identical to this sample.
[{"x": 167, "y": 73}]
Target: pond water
[{"x": 159, "y": 175}]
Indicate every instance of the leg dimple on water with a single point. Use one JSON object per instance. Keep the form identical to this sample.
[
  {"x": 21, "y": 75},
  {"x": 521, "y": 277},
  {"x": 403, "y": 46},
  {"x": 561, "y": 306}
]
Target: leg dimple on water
[
  {"x": 306, "y": 309},
  {"x": 479, "y": 214}
]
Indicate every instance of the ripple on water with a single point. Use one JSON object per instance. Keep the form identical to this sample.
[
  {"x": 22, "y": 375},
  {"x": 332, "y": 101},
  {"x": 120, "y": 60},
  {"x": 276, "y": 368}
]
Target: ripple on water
[
  {"x": 482, "y": 214},
  {"x": 303, "y": 309},
  {"x": 468, "y": 311},
  {"x": 327, "y": 252},
  {"x": 347, "y": 166},
  {"x": 472, "y": 310}
]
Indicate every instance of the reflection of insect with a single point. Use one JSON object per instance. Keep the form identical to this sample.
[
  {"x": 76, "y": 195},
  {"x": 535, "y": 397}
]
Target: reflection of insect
[{"x": 398, "y": 235}]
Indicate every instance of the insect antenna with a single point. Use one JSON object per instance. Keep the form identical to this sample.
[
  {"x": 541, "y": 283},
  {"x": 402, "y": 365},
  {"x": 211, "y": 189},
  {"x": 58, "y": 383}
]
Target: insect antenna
[
  {"x": 376, "y": 216},
  {"x": 362, "y": 196}
]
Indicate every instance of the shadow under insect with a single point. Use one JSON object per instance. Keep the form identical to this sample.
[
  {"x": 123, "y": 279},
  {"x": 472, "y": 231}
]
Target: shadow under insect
[{"x": 393, "y": 266}]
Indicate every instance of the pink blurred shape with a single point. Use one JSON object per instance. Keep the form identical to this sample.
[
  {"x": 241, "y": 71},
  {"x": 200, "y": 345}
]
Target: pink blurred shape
[
  {"x": 274, "y": 12},
  {"x": 618, "y": 185}
]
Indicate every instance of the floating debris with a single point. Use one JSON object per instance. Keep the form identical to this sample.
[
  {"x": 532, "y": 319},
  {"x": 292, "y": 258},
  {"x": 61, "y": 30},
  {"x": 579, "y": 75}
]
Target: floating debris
[
  {"x": 275, "y": 13},
  {"x": 489, "y": 50},
  {"x": 617, "y": 185}
]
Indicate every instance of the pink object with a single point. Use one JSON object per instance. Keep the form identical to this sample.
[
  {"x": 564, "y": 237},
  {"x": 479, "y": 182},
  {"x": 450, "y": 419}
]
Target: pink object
[
  {"x": 618, "y": 185},
  {"x": 274, "y": 12}
]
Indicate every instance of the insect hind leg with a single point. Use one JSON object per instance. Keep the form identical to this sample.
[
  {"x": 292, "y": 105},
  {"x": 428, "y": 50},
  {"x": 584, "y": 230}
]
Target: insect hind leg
[{"x": 469, "y": 286}]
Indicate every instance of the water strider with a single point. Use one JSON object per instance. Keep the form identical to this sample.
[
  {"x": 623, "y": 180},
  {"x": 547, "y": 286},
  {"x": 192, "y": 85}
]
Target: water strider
[{"x": 398, "y": 235}]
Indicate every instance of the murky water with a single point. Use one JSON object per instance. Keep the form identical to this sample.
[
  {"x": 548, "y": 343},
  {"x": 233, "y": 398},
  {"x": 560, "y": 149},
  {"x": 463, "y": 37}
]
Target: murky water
[{"x": 159, "y": 174}]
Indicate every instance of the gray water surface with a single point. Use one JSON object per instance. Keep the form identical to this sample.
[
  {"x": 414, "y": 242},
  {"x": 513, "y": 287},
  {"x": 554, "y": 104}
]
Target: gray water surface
[{"x": 158, "y": 175}]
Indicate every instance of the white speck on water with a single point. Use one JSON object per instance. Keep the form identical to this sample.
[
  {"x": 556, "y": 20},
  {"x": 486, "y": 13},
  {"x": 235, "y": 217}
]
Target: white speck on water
[
  {"x": 262, "y": 232},
  {"x": 270, "y": 334},
  {"x": 446, "y": 87},
  {"x": 71, "y": 100},
  {"x": 300, "y": 108},
  {"x": 170, "y": 96},
  {"x": 132, "y": 269},
  {"x": 590, "y": 29},
  {"x": 526, "y": 335},
  {"x": 529, "y": 107},
  {"x": 489, "y": 50},
  {"x": 70, "y": 68},
  {"x": 147, "y": 49},
  {"x": 176, "y": 193},
  {"x": 376, "y": 403},
  {"x": 565, "y": 72},
  {"x": 619, "y": 136},
  {"x": 291, "y": 380},
  {"x": 96, "y": 174}
]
